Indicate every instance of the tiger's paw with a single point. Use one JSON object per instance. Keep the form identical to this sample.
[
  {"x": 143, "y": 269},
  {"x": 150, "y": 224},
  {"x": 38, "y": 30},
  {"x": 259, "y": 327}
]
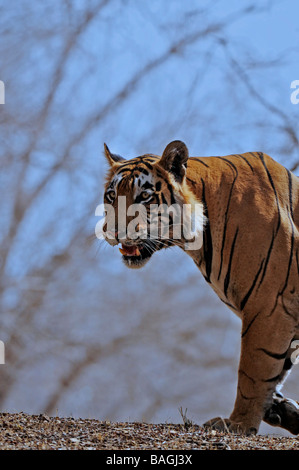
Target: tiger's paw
[
  {"x": 284, "y": 413},
  {"x": 229, "y": 426}
]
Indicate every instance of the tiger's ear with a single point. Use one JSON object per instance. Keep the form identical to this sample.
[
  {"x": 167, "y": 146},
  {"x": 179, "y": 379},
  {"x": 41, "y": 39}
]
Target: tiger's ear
[
  {"x": 174, "y": 159},
  {"x": 111, "y": 157}
]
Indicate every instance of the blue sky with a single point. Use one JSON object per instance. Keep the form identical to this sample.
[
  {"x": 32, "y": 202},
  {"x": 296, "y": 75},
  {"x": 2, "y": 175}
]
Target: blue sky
[{"x": 195, "y": 95}]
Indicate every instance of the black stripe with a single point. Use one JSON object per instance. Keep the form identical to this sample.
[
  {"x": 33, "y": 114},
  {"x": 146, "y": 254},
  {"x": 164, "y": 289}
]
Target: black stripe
[
  {"x": 290, "y": 257},
  {"x": 142, "y": 170},
  {"x": 158, "y": 186},
  {"x": 290, "y": 314},
  {"x": 273, "y": 187},
  {"x": 191, "y": 181},
  {"x": 147, "y": 185},
  {"x": 287, "y": 364},
  {"x": 227, "y": 277},
  {"x": 290, "y": 215},
  {"x": 172, "y": 199},
  {"x": 275, "y": 304},
  {"x": 246, "y": 297},
  {"x": 297, "y": 259},
  {"x": 207, "y": 238},
  {"x": 228, "y": 304},
  {"x": 274, "y": 355},
  {"x": 196, "y": 159},
  {"x": 135, "y": 165},
  {"x": 267, "y": 260},
  {"x": 273, "y": 379},
  {"x": 163, "y": 198},
  {"x": 232, "y": 166},
  {"x": 148, "y": 165},
  {"x": 120, "y": 171},
  {"x": 290, "y": 192},
  {"x": 139, "y": 199},
  {"x": 244, "y": 396},
  {"x": 246, "y": 375},
  {"x": 132, "y": 184},
  {"x": 246, "y": 161},
  {"x": 159, "y": 173},
  {"x": 133, "y": 169},
  {"x": 249, "y": 325}
]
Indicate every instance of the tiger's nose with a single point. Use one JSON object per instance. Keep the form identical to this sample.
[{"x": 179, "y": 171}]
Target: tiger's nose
[
  {"x": 111, "y": 237},
  {"x": 121, "y": 235},
  {"x": 116, "y": 235},
  {"x": 111, "y": 234}
]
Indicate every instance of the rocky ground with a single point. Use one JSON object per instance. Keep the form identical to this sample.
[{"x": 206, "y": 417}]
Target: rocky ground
[{"x": 41, "y": 432}]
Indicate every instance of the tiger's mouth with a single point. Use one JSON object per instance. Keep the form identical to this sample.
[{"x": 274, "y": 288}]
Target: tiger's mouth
[
  {"x": 130, "y": 250},
  {"x": 135, "y": 256}
]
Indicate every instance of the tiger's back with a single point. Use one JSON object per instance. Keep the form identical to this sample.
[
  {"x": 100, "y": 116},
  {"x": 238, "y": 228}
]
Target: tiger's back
[{"x": 252, "y": 240}]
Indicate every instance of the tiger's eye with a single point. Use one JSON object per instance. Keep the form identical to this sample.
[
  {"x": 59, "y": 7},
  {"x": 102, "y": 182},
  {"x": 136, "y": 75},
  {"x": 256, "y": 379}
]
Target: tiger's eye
[{"x": 144, "y": 195}]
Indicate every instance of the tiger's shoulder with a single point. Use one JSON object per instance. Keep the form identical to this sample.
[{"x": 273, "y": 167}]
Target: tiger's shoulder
[{"x": 251, "y": 169}]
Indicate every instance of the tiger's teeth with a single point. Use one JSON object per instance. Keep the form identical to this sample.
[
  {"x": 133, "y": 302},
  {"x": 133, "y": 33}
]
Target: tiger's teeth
[{"x": 133, "y": 252}]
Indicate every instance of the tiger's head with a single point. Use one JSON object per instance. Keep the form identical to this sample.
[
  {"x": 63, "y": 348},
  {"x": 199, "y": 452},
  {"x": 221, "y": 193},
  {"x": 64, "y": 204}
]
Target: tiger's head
[{"x": 154, "y": 188}]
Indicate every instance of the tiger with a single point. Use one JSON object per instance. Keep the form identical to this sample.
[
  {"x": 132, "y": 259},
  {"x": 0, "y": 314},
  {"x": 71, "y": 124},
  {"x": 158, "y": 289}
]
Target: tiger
[{"x": 248, "y": 206}]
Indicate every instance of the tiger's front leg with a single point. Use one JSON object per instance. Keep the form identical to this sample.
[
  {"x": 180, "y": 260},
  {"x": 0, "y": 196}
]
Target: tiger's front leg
[{"x": 263, "y": 351}]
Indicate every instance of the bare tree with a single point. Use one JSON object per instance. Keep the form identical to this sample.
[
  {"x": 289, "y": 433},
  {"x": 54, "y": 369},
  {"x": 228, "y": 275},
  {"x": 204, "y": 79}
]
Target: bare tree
[{"x": 76, "y": 76}]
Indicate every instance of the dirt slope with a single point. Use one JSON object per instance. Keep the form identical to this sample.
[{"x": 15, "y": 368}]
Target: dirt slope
[{"x": 23, "y": 431}]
